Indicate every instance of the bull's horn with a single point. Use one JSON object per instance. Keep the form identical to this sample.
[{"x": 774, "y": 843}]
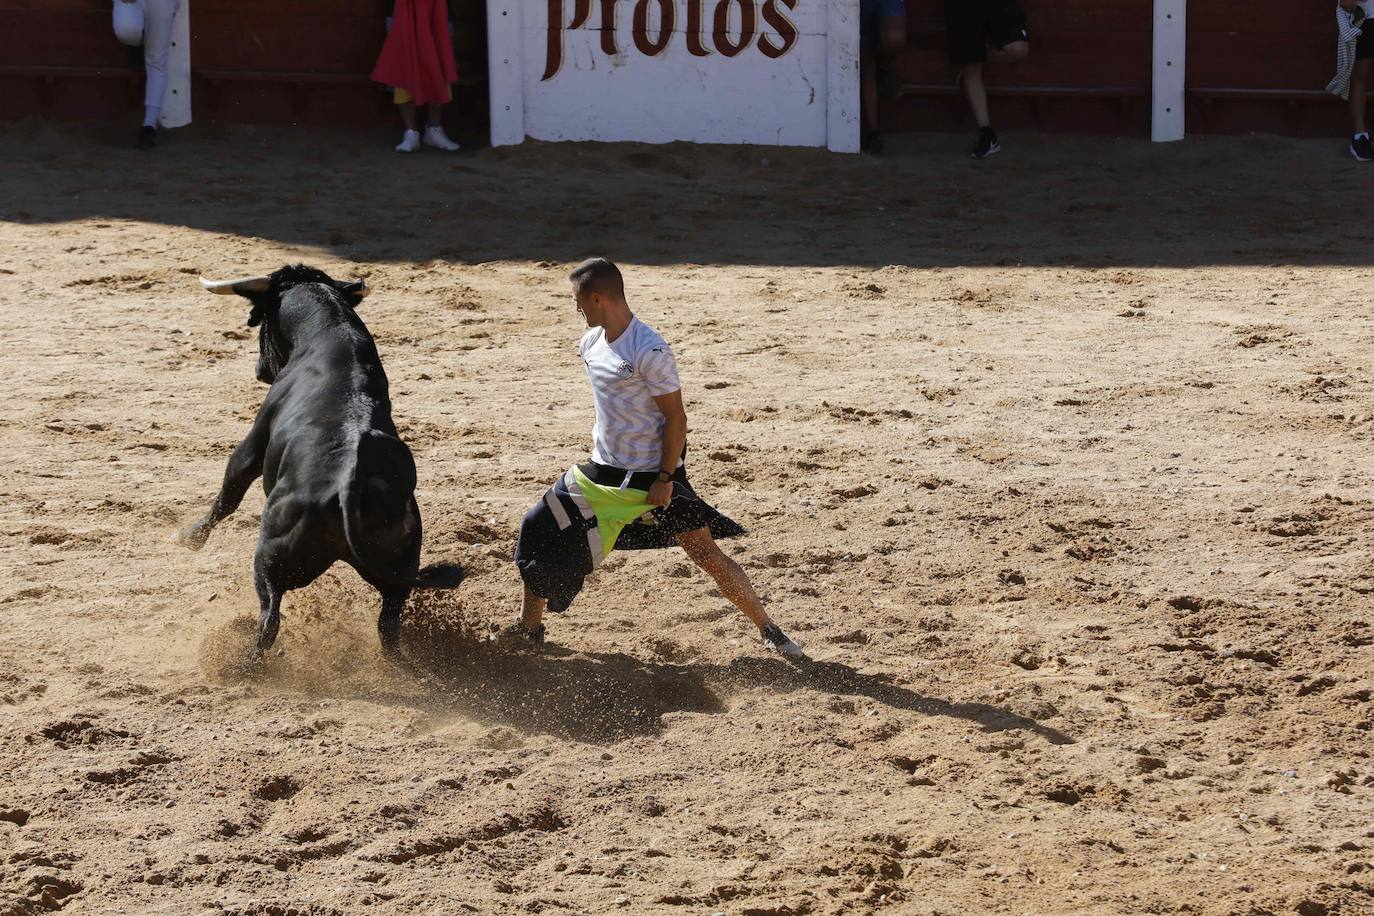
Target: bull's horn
[
  {"x": 363, "y": 290},
  {"x": 241, "y": 285}
]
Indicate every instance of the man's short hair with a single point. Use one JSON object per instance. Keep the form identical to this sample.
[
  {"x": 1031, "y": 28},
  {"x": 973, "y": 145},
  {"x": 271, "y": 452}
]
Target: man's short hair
[{"x": 598, "y": 275}]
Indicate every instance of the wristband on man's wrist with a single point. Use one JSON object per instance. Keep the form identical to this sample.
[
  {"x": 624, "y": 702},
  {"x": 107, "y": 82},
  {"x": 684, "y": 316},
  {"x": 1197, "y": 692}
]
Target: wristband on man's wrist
[{"x": 664, "y": 477}]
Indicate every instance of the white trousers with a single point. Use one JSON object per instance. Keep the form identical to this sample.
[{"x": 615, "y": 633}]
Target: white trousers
[{"x": 158, "y": 16}]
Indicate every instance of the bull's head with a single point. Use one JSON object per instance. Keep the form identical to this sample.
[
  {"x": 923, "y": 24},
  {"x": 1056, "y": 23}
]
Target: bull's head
[{"x": 276, "y": 335}]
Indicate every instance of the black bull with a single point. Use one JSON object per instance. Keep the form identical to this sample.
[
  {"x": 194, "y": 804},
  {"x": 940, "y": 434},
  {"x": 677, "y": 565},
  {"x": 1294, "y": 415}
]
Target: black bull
[{"x": 340, "y": 483}]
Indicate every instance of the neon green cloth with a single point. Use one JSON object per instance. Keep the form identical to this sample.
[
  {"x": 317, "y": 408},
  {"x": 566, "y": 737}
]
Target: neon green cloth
[{"x": 615, "y": 508}]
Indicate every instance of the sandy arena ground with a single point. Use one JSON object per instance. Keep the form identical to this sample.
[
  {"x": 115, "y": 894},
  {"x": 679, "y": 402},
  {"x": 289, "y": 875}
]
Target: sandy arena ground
[{"x": 1059, "y": 464}]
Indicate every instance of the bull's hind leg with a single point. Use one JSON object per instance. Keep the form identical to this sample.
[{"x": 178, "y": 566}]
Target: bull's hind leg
[
  {"x": 389, "y": 621},
  {"x": 245, "y": 466},
  {"x": 292, "y": 552},
  {"x": 269, "y": 617}
]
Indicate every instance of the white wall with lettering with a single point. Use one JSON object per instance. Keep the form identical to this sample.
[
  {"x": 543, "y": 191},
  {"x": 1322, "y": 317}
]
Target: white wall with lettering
[{"x": 773, "y": 72}]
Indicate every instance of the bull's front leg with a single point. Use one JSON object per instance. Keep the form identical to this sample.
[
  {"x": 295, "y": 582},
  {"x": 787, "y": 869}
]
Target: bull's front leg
[{"x": 245, "y": 466}]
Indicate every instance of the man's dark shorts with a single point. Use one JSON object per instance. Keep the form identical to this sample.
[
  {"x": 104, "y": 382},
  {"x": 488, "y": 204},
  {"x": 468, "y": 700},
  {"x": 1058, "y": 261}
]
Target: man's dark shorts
[
  {"x": 686, "y": 511},
  {"x": 974, "y": 26},
  {"x": 554, "y": 552},
  {"x": 871, "y": 16},
  {"x": 1364, "y": 47}
]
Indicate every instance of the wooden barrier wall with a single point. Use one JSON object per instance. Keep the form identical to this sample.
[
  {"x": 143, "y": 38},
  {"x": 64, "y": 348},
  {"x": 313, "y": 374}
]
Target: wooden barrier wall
[
  {"x": 1088, "y": 70},
  {"x": 1257, "y": 66},
  {"x": 1281, "y": 53},
  {"x": 256, "y": 61}
]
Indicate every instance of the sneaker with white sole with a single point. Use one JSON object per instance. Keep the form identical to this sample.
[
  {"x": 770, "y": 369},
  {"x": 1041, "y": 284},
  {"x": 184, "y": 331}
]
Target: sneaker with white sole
[
  {"x": 410, "y": 142},
  {"x": 517, "y": 635},
  {"x": 987, "y": 144},
  {"x": 435, "y": 137},
  {"x": 776, "y": 640},
  {"x": 1361, "y": 148}
]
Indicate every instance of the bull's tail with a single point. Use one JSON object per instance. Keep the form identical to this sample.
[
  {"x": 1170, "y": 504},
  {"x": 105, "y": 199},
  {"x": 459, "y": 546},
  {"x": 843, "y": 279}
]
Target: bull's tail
[{"x": 437, "y": 575}]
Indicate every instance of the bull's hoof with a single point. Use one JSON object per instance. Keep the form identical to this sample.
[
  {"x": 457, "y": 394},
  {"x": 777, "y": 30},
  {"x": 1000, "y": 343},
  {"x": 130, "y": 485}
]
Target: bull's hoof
[{"x": 193, "y": 537}]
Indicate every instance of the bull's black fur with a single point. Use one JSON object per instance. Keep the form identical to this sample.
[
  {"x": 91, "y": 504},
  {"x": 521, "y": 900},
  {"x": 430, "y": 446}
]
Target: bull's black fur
[{"x": 340, "y": 483}]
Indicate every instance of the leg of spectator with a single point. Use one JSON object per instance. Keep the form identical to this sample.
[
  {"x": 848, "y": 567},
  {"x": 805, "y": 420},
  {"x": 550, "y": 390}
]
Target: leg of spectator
[
  {"x": 976, "y": 93},
  {"x": 1359, "y": 80},
  {"x": 891, "y": 40},
  {"x": 410, "y": 140},
  {"x": 868, "y": 74},
  {"x": 157, "y": 47},
  {"x": 1012, "y": 53},
  {"x": 435, "y": 135},
  {"x": 893, "y": 34}
]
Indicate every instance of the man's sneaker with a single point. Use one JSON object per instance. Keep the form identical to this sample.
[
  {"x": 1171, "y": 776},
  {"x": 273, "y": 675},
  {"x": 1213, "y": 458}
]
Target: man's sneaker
[
  {"x": 1361, "y": 148},
  {"x": 777, "y": 640},
  {"x": 435, "y": 137},
  {"x": 516, "y": 634},
  {"x": 987, "y": 144},
  {"x": 147, "y": 137},
  {"x": 410, "y": 142}
]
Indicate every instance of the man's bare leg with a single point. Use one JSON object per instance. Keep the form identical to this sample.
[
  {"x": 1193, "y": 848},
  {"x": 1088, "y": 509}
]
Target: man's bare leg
[
  {"x": 971, "y": 80},
  {"x": 531, "y": 611},
  {"x": 1359, "y": 79},
  {"x": 868, "y": 86},
  {"x": 734, "y": 584},
  {"x": 530, "y": 627},
  {"x": 1012, "y": 53}
]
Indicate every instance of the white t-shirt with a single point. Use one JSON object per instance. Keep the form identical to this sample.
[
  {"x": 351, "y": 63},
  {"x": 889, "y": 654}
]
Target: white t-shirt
[{"x": 626, "y": 375}]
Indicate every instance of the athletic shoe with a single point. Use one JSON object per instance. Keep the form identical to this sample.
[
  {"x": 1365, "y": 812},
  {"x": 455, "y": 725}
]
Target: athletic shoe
[
  {"x": 516, "y": 634},
  {"x": 147, "y": 137},
  {"x": 1361, "y": 148},
  {"x": 987, "y": 144},
  {"x": 776, "y": 640},
  {"x": 410, "y": 142},
  {"x": 435, "y": 137}
]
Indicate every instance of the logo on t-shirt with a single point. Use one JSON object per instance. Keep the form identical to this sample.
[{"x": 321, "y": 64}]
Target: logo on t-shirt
[{"x": 624, "y": 370}]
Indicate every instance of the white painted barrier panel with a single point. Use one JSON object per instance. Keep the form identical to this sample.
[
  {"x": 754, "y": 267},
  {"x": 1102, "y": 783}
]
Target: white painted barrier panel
[
  {"x": 1170, "y": 39},
  {"x": 775, "y": 72},
  {"x": 506, "y": 72}
]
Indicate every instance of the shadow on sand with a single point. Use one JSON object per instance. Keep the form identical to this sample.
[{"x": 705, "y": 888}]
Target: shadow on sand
[
  {"x": 1048, "y": 200},
  {"x": 604, "y": 697},
  {"x": 329, "y": 648}
]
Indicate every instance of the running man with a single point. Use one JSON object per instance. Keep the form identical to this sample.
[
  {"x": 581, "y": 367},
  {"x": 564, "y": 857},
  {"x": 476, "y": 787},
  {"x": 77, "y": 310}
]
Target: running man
[
  {"x": 634, "y": 492},
  {"x": 981, "y": 31}
]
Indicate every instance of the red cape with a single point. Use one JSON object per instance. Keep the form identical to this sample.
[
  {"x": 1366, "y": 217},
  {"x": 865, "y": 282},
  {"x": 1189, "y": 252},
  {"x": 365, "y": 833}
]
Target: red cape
[{"x": 418, "y": 54}]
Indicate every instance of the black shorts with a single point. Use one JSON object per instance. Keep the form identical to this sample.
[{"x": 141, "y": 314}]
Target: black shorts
[
  {"x": 686, "y": 511},
  {"x": 1364, "y": 46},
  {"x": 974, "y": 26}
]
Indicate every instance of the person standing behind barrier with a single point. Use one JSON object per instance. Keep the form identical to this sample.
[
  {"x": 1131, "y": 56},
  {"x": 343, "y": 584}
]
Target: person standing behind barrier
[
  {"x": 417, "y": 62},
  {"x": 981, "y": 31},
  {"x": 882, "y": 34},
  {"x": 1354, "y": 50},
  {"x": 158, "y": 16}
]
